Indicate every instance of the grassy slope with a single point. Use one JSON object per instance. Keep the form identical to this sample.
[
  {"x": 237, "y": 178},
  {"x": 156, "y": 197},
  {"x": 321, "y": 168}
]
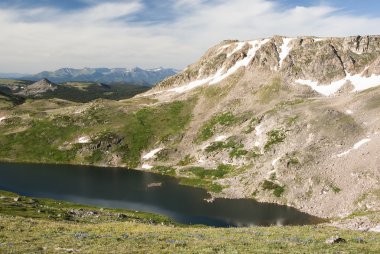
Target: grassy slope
[
  {"x": 76, "y": 91},
  {"x": 44, "y": 226},
  {"x": 86, "y": 92},
  {"x": 104, "y": 121}
]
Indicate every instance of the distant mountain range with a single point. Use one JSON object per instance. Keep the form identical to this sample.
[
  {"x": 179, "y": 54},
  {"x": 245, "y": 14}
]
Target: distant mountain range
[
  {"x": 12, "y": 75},
  {"x": 14, "y": 92},
  {"x": 136, "y": 76}
]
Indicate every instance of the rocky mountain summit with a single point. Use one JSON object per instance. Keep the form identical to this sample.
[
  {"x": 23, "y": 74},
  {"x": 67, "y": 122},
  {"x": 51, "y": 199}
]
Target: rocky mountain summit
[
  {"x": 38, "y": 88},
  {"x": 320, "y": 60},
  {"x": 296, "y": 119}
]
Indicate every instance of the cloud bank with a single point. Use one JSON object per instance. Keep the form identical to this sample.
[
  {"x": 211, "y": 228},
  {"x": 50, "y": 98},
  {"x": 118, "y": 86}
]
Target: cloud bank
[{"x": 131, "y": 33}]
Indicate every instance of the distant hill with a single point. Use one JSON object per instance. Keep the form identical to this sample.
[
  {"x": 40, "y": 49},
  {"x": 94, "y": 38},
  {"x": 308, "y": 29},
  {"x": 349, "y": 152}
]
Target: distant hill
[
  {"x": 8, "y": 100},
  {"x": 38, "y": 88},
  {"x": 12, "y": 75},
  {"x": 16, "y": 91},
  {"x": 136, "y": 76}
]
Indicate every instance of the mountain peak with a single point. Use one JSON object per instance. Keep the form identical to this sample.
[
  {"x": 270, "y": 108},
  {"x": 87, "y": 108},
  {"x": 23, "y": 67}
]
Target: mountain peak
[
  {"x": 40, "y": 87},
  {"x": 313, "y": 61},
  {"x": 43, "y": 82}
]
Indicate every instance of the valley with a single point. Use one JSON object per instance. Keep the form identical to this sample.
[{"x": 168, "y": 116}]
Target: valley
[
  {"x": 289, "y": 121},
  {"x": 238, "y": 123}
]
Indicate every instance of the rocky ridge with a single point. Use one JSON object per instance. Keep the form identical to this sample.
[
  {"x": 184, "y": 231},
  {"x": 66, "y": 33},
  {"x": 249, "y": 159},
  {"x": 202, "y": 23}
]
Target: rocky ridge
[
  {"x": 297, "y": 120},
  {"x": 323, "y": 60}
]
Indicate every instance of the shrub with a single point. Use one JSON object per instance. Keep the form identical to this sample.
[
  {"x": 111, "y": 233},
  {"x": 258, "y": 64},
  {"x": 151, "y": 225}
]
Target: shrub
[
  {"x": 224, "y": 119},
  {"x": 186, "y": 161},
  {"x": 277, "y": 189},
  {"x": 274, "y": 137}
]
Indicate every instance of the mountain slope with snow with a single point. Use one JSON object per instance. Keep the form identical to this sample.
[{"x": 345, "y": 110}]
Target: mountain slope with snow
[
  {"x": 327, "y": 63},
  {"x": 299, "y": 119}
]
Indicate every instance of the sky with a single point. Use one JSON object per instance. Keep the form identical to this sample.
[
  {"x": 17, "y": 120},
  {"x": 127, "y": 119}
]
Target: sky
[{"x": 39, "y": 35}]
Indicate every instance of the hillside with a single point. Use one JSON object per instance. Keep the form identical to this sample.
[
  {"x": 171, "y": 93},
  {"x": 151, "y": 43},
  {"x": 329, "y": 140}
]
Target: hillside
[
  {"x": 297, "y": 116},
  {"x": 293, "y": 121},
  {"x": 136, "y": 76},
  {"x": 38, "y": 225}
]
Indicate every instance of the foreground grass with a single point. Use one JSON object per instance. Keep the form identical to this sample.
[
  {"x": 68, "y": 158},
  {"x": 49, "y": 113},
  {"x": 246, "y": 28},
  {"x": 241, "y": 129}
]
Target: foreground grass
[{"x": 25, "y": 228}]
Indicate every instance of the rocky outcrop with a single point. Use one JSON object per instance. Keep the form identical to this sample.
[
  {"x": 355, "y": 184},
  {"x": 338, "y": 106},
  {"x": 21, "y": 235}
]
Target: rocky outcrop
[{"x": 38, "y": 88}]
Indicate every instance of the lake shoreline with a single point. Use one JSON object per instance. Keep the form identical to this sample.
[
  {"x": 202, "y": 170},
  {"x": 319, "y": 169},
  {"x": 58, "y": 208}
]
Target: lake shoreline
[{"x": 114, "y": 193}]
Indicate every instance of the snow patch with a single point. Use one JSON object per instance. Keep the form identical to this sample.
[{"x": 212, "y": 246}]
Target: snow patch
[
  {"x": 344, "y": 153},
  {"x": 285, "y": 49},
  {"x": 349, "y": 112},
  {"x": 355, "y": 147},
  {"x": 84, "y": 140},
  {"x": 146, "y": 166},
  {"x": 361, "y": 143},
  {"x": 157, "y": 69},
  {"x": 359, "y": 82},
  {"x": 274, "y": 162},
  {"x": 220, "y": 138},
  {"x": 238, "y": 47},
  {"x": 191, "y": 85},
  {"x": 151, "y": 154},
  {"x": 319, "y": 39},
  {"x": 256, "y": 45},
  {"x": 375, "y": 229},
  {"x": 259, "y": 130},
  {"x": 221, "y": 74}
]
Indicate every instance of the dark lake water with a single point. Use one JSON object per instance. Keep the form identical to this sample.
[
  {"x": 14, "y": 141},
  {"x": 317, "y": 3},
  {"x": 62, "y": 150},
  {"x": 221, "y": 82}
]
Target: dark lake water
[{"x": 122, "y": 188}]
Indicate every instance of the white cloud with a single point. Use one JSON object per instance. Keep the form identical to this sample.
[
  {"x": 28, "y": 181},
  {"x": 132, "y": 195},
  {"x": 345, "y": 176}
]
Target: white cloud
[
  {"x": 104, "y": 12},
  {"x": 46, "y": 39}
]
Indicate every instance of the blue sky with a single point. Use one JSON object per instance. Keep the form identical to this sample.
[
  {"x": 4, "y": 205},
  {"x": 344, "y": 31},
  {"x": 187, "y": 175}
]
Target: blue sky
[
  {"x": 356, "y": 7},
  {"x": 49, "y": 34},
  {"x": 163, "y": 11}
]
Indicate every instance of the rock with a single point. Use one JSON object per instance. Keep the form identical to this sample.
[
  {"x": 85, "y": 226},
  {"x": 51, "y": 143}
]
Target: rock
[
  {"x": 334, "y": 240},
  {"x": 122, "y": 216},
  {"x": 359, "y": 240},
  {"x": 81, "y": 235},
  {"x": 32, "y": 201},
  {"x": 153, "y": 185},
  {"x": 38, "y": 88},
  {"x": 17, "y": 199},
  {"x": 68, "y": 250}
]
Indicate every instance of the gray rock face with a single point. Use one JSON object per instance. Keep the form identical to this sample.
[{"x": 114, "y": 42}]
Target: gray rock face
[{"x": 38, "y": 88}]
